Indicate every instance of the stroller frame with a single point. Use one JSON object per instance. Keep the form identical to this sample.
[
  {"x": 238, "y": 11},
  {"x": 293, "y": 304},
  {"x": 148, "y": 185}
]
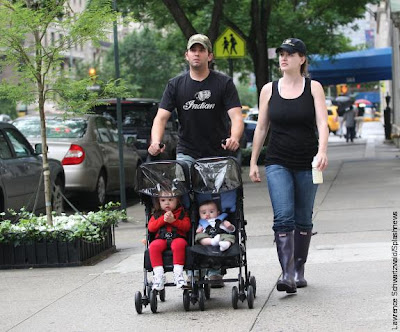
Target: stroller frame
[
  {"x": 198, "y": 291},
  {"x": 246, "y": 288}
]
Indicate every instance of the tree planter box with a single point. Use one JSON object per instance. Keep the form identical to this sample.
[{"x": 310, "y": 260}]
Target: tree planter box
[{"x": 56, "y": 253}]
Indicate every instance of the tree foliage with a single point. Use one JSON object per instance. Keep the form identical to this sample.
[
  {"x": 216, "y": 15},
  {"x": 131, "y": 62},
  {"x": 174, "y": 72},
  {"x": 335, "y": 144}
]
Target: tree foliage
[
  {"x": 35, "y": 60},
  {"x": 262, "y": 23},
  {"x": 147, "y": 62}
]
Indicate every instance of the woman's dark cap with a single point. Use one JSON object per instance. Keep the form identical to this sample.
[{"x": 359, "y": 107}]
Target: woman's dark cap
[{"x": 292, "y": 45}]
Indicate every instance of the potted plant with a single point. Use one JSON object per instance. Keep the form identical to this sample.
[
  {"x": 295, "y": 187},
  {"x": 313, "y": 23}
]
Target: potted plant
[{"x": 72, "y": 239}]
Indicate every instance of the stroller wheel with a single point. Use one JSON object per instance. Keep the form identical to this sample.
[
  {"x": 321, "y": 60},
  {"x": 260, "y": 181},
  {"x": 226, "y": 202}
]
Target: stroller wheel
[
  {"x": 253, "y": 283},
  {"x": 235, "y": 297},
  {"x": 250, "y": 297},
  {"x": 153, "y": 301},
  {"x": 162, "y": 295},
  {"x": 138, "y": 302},
  {"x": 202, "y": 299},
  {"x": 186, "y": 300},
  {"x": 207, "y": 291}
]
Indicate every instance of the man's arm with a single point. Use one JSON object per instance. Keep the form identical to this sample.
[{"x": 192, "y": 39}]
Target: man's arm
[
  {"x": 237, "y": 127},
  {"x": 157, "y": 131}
]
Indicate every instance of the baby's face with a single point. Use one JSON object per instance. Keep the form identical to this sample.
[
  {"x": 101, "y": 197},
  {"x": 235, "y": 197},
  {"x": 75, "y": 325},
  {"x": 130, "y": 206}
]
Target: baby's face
[
  {"x": 208, "y": 211},
  {"x": 168, "y": 203}
]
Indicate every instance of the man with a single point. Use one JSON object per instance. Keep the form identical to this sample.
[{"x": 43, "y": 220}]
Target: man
[{"x": 205, "y": 101}]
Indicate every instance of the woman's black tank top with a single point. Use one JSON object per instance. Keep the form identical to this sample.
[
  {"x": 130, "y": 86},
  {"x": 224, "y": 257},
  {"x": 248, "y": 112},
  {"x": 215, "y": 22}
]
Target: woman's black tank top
[{"x": 293, "y": 134}]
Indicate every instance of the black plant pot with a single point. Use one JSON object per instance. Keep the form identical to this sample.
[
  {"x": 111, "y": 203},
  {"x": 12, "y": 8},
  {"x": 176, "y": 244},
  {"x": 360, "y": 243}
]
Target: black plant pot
[{"x": 56, "y": 253}]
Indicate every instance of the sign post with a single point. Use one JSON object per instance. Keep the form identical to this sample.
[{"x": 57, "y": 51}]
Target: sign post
[{"x": 229, "y": 45}]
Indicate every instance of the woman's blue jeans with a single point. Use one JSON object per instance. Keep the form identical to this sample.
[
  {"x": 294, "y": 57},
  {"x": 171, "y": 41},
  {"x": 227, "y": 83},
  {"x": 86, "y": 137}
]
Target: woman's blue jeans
[{"x": 292, "y": 194}]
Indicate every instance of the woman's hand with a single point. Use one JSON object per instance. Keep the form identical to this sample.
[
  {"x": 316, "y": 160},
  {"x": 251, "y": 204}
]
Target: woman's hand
[
  {"x": 254, "y": 173},
  {"x": 322, "y": 161}
]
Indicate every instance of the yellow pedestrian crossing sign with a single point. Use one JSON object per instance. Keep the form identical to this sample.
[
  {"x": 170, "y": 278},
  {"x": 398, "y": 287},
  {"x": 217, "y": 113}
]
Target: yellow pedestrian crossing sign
[{"x": 229, "y": 45}]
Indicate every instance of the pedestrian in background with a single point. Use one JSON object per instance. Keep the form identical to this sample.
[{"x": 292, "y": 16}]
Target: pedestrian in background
[
  {"x": 209, "y": 111},
  {"x": 290, "y": 108},
  {"x": 350, "y": 118},
  {"x": 359, "y": 120}
]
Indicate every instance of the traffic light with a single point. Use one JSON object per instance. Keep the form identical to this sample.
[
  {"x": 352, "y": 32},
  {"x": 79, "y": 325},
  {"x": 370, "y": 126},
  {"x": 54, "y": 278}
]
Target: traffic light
[
  {"x": 92, "y": 73},
  {"x": 341, "y": 89}
]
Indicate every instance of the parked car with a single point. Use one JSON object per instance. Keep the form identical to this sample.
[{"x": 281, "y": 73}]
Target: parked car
[
  {"x": 21, "y": 172},
  {"x": 87, "y": 146},
  {"x": 333, "y": 119},
  {"x": 137, "y": 120},
  {"x": 5, "y": 118},
  {"x": 250, "y": 123},
  {"x": 245, "y": 111}
]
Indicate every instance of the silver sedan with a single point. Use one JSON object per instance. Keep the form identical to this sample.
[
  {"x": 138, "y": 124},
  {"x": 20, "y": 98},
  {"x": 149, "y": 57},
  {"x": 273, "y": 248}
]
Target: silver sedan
[{"x": 87, "y": 146}]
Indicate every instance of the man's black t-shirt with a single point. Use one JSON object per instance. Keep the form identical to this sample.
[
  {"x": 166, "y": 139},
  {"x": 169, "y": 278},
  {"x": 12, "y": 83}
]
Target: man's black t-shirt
[{"x": 202, "y": 112}]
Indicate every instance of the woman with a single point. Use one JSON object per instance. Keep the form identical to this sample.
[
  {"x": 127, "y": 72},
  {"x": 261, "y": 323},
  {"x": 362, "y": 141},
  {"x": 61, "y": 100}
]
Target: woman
[{"x": 291, "y": 107}]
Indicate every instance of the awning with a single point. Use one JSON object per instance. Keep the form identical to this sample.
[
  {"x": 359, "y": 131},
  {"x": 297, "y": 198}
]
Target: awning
[
  {"x": 369, "y": 65},
  {"x": 373, "y": 97}
]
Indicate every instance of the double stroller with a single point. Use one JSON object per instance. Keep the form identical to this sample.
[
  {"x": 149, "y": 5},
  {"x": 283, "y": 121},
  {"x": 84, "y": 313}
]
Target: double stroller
[{"x": 212, "y": 179}]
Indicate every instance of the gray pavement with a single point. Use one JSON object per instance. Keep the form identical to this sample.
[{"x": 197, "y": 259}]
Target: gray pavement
[{"x": 349, "y": 269}]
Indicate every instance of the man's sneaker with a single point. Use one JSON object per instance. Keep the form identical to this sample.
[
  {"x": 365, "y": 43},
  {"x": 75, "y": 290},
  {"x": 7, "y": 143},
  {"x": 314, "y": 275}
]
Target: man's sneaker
[
  {"x": 179, "y": 280},
  {"x": 158, "y": 282}
]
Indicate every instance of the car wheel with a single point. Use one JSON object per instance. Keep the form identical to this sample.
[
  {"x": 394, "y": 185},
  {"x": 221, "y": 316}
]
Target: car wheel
[
  {"x": 57, "y": 199},
  {"x": 100, "y": 192}
]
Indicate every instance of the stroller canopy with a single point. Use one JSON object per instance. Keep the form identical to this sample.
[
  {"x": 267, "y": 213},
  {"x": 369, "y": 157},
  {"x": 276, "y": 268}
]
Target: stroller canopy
[
  {"x": 164, "y": 178},
  {"x": 216, "y": 175}
]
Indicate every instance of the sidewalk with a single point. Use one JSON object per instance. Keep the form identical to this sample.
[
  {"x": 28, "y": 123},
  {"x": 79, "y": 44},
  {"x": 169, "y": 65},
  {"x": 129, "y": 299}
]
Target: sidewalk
[{"x": 349, "y": 268}]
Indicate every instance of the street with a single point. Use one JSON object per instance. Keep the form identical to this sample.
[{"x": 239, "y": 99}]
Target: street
[{"x": 349, "y": 269}]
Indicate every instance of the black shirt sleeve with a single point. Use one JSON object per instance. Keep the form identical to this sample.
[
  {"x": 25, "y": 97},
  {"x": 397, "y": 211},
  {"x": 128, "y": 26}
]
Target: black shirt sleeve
[{"x": 168, "y": 100}]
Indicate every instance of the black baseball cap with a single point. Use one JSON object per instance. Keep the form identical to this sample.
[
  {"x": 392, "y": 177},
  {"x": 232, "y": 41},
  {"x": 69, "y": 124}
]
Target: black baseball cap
[{"x": 292, "y": 45}]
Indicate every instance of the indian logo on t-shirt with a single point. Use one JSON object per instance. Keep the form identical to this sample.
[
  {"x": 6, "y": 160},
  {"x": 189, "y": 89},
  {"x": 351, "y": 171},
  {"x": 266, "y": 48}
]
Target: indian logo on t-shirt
[
  {"x": 203, "y": 95},
  {"x": 200, "y": 96}
]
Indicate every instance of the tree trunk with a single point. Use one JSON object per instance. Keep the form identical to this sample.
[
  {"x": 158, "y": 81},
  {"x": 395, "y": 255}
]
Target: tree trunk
[
  {"x": 46, "y": 168},
  {"x": 176, "y": 11},
  {"x": 186, "y": 26},
  {"x": 213, "y": 30},
  {"x": 258, "y": 48}
]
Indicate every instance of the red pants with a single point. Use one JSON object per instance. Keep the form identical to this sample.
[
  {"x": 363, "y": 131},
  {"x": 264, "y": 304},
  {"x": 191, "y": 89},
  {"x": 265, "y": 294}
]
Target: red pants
[{"x": 158, "y": 246}]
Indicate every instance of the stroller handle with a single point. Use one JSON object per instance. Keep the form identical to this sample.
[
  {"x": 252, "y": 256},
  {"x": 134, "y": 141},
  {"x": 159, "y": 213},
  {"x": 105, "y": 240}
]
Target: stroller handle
[{"x": 150, "y": 157}]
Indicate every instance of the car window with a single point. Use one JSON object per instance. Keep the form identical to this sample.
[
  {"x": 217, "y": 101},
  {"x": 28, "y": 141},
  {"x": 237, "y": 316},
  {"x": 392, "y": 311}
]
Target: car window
[
  {"x": 102, "y": 131},
  {"x": 21, "y": 147},
  {"x": 55, "y": 127},
  {"x": 253, "y": 117},
  {"x": 133, "y": 115},
  {"x": 113, "y": 130},
  {"x": 5, "y": 151},
  {"x": 65, "y": 128},
  {"x": 140, "y": 117}
]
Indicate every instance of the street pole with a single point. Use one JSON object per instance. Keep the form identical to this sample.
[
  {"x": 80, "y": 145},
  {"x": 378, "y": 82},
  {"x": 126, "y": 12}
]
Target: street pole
[
  {"x": 230, "y": 61},
  {"x": 119, "y": 116}
]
